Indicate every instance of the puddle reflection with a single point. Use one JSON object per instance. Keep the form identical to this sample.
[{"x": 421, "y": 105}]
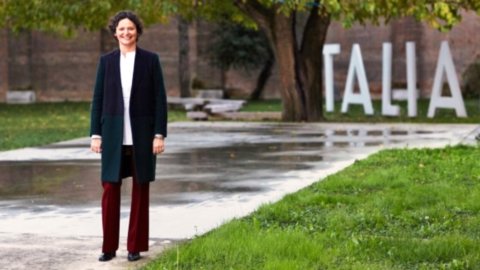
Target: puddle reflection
[
  {"x": 196, "y": 173},
  {"x": 206, "y": 170}
]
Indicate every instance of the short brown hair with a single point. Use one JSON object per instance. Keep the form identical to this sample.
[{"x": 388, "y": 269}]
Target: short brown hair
[{"x": 125, "y": 14}]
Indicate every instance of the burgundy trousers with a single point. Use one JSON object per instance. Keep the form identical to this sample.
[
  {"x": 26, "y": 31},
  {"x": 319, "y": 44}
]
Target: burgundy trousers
[{"x": 138, "y": 226}]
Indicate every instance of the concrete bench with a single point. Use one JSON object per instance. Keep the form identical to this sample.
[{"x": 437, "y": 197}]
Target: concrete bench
[
  {"x": 219, "y": 108},
  {"x": 251, "y": 116},
  {"x": 188, "y": 104},
  {"x": 202, "y": 108}
]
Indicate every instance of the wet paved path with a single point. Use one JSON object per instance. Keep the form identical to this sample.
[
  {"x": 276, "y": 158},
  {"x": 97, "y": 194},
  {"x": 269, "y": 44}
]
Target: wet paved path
[{"x": 210, "y": 173}]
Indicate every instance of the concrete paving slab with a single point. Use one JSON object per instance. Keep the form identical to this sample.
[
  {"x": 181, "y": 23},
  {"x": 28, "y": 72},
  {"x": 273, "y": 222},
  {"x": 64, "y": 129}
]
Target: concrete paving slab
[{"x": 210, "y": 173}]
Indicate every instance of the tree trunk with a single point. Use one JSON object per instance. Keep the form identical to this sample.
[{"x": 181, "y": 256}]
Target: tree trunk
[
  {"x": 183, "y": 58},
  {"x": 283, "y": 39},
  {"x": 311, "y": 57},
  {"x": 4, "y": 84},
  {"x": 278, "y": 28},
  {"x": 262, "y": 79},
  {"x": 300, "y": 68}
]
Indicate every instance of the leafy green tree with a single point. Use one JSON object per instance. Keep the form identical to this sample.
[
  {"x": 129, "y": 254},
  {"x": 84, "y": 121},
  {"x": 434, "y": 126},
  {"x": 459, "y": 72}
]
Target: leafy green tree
[
  {"x": 66, "y": 16},
  {"x": 238, "y": 47},
  {"x": 299, "y": 62}
]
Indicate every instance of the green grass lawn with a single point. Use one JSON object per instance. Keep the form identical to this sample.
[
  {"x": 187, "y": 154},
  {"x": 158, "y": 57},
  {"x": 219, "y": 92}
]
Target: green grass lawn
[
  {"x": 398, "y": 209},
  {"x": 356, "y": 113},
  {"x": 43, "y": 123}
]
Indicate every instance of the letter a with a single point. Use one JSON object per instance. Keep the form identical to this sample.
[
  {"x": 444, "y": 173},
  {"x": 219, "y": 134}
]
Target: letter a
[
  {"x": 357, "y": 67},
  {"x": 445, "y": 64}
]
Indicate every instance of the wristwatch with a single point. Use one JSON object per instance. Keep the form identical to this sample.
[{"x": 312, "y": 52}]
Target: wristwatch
[{"x": 159, "y": 136}]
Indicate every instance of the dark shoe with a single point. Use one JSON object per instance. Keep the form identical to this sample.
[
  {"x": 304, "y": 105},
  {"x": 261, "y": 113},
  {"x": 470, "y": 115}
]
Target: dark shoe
[
  {"x": 106, "y": 256},
  {"x": 133, "y": 256}
]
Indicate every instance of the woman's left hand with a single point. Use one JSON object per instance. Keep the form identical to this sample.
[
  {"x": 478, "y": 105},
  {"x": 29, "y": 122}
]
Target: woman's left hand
[{"x": 158, "y": 146}]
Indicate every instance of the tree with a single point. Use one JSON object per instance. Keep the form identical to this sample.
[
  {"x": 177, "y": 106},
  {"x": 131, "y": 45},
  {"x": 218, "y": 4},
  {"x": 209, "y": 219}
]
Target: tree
[
  {"x": 236, "y": 46},
  {"x": 300, "y": 63},
  {"x": 183, "y": 59},
  {"x": 66, "y": 16}
]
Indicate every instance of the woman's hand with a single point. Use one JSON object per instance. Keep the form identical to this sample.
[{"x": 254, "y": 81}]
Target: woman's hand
[
  {"x": 96, "y": 145},
  {"x": 158, "y": 146}
]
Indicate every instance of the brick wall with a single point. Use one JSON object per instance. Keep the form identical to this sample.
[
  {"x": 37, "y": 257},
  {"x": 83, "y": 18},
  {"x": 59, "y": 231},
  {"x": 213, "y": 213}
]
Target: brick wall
[
  {"x": 56, "y": 68},
  {"x": 163, "y": 39},
  {"x": 64, "y": 69}
]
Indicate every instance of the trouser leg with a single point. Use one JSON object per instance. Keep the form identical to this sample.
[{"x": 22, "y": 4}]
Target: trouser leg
[
  {"x": 138, "y": 227},
  {"x": 111, "y": 216}
]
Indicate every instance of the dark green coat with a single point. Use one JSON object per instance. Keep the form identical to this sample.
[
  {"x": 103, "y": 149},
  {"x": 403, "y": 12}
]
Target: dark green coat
[{"x": 148, "y": 113}]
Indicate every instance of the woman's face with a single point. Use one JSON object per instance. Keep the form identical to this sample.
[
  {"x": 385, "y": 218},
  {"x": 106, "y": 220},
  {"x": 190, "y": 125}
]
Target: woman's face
[{"x": 126, "y": 33}]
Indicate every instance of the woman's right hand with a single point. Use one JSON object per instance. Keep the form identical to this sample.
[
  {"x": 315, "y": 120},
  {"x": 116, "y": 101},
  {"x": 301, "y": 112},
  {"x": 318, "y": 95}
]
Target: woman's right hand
[{"x": 96, "y": 145}]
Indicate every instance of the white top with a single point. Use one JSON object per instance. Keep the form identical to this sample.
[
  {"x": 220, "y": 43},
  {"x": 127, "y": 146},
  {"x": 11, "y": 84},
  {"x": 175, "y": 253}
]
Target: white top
[{"x": 127, "y": 63}]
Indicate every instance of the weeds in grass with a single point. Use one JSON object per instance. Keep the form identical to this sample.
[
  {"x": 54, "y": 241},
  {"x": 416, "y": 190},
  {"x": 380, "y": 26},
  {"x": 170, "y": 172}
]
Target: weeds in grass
[
  {"x": 43, "y": 123},
  {"x": 398, "y": 209}
]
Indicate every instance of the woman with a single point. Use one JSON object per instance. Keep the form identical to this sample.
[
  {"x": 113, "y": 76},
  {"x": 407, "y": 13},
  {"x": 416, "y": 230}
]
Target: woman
[{"x": 128, "y": 128}]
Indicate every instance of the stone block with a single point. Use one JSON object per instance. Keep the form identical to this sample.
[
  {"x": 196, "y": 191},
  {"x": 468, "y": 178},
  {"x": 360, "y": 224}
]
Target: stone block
[
  {"x": 219, "y": 108},
  {"x": 210, "y": 93},
  {"x": 20, "y": 97},
  {"x": 188, "y": 104},
  {"x": 197, "y": 115}
]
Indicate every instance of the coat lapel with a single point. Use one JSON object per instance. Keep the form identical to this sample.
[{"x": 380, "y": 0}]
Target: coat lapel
[
  {"x": 116, "y": 71},
  {"x": 137, "y": 69}
]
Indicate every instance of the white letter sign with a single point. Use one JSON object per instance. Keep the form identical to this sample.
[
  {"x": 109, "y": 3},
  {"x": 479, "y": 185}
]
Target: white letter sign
[
  {"x": 357, "y": 67},
  {"x": 328, "y": 51},
  {"x": 387, "y": 107},
  {"x": 411, "y": 79},
  {"x": 455, "y": 101}
]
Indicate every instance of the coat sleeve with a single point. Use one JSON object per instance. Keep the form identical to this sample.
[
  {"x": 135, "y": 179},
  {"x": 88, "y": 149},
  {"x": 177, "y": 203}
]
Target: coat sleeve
[
  {"x": 97, "y": 101},
  {"x": 161, "y": 117}
]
